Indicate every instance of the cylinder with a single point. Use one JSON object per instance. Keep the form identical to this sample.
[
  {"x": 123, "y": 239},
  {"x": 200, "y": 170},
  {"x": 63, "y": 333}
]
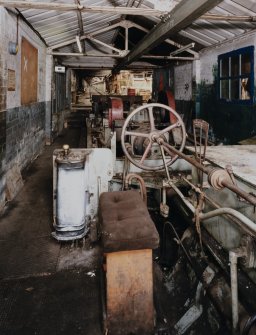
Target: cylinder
[
  {"x": 71, "y": 197},
  {"x": 116, "y": 110}
]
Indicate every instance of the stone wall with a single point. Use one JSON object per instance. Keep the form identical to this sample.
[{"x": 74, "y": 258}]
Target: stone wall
[{"x": 24, "y": 134}]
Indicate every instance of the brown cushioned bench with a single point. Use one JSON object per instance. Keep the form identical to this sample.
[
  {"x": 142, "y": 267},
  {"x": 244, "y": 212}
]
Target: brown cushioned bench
[{"x": 128, "y": 236}]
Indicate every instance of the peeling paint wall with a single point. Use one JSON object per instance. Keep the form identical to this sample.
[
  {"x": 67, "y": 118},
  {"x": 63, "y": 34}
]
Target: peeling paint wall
[
  {"x": 230, "y": 122},
  {"x": 22, "y": 128},
  {"x": 3, "y": 93},
  {"x": 183, "y": 92},
  {"x": 178, "y": 80}
]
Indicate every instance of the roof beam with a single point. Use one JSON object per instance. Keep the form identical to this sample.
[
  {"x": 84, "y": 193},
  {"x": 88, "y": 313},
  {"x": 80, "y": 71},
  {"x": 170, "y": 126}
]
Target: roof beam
[
  {"x": 80, "y": 24},
  {"x": 119, "y": 10},
  {"x": 236, "y": 18},
  {"x": 94, "y": 33},
  {"x": 87, "y": 55},
  {"x": 179, "y": 18},
  {"x": 168, "y": 41}
]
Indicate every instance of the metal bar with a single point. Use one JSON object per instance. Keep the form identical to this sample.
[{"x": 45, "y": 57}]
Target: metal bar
[
  {"x": 75, "y": 54},
  {"x": 127, "y": 24},
  {"x": 89, "y": 37},
  {"x": 237, "y": 18},
  {"x": 96, "y": 32},
  {"x": 168, "y": 57},
  {"x": 80, "y": 23},
  {"x": 226, "y": 216},
  {"x": 225, "y": 183},
  {"x": 179, "y": 18},
  {"x": 126, "y": 38},
  {"x": 234, "y": 290},
  {"x": 225, "y": 210},
  {"x": 168, "y": 40},
  {"x": 216, "y": 212},
  {"x": 103, "y": 30},
  {"x": 185, "y": 48},
  {"x": 250, "y": 198},
  {"x": 92, "y": 9}
]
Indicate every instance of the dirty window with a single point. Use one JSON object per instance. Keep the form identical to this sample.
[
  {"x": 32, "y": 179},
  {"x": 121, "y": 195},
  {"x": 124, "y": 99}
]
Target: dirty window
[{"x": 236, "y": 75}]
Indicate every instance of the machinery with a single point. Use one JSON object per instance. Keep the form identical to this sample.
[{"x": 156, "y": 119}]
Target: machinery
[
  {"x": 216, "y": 199},
  {"x": 78, "y": 181}
]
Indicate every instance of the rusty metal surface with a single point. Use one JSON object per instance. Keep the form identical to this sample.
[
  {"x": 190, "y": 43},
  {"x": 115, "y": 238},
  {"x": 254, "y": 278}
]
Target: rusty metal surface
[
  {"x": 240, "y": 157},
  {"x": 116, "y": 110}
]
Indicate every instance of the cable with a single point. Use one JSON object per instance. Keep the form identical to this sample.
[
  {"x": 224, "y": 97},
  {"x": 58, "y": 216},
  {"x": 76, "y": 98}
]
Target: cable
[{"x": 248, "y": 325}]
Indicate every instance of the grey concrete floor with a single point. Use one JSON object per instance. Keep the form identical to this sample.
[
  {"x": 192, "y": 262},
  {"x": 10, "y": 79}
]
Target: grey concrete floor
[{"x": 46, "y": 287}]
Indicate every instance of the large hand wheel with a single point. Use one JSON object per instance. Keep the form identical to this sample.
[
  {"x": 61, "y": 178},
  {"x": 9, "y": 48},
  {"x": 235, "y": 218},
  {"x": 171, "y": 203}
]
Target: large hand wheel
[{"x": 154, "y": 136}]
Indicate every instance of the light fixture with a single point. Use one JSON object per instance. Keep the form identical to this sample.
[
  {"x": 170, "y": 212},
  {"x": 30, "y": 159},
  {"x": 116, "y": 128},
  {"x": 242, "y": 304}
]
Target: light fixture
[{"x": 79, "y": 45}]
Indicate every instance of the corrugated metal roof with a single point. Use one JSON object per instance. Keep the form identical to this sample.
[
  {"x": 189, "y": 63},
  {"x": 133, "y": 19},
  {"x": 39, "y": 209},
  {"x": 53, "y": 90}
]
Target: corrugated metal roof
[
  {"x": 58, "y": 27},
  {"x": 209, "y": 32}
]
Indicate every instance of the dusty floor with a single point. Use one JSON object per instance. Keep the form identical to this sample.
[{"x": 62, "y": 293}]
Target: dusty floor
[
  {"x": 52, "y": 288},
  {"x": 45, "y": 287}
]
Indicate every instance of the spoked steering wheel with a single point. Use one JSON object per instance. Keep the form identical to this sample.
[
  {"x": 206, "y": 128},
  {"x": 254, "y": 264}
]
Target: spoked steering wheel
[{"x": 150, "y": 137}]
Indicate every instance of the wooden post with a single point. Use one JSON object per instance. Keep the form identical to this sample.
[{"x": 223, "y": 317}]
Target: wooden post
[{"x": 130, "y": 306}]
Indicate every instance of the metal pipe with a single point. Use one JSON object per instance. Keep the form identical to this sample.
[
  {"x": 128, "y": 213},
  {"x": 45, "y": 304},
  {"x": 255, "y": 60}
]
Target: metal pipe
[
  {"x": 248, "y": 325},
  {"x": 216, "y": 212},
  {"x": 227, "y": 216},
  {"x": 207, "y": 170},
  {"x": 186, "y": 202},
  {"x": 143, "y": 189},
  {"x": 250, "y": 198},
  {"x": 233, "y": 256},
  {"x": 234, "y": 289},
  {"x": 224, "y": 210},
  {"x": 217, "y": 206}
]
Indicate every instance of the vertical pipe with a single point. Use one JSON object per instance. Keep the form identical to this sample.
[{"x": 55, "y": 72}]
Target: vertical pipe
[
  {"x": 126, "y": 38},
  {"x": 233, "y": 256},
  {"x": 234, "y": 290},
  {"x": 164, "y": 195}
]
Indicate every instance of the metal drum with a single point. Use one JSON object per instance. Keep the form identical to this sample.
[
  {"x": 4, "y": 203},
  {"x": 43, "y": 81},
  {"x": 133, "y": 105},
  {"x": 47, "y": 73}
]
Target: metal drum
[
  {"x": 116, "y": 110},
  {"x": 71, "y": 196}
]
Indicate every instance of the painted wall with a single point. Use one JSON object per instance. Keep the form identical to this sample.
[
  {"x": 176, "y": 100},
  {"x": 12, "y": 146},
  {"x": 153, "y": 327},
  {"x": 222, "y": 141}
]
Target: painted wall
[
  {"x": 177, "y": 79},
  {"x": 183, "y": 92},
  {"x": 229, "y": 123},
  {"x": 22, "y": 128}
]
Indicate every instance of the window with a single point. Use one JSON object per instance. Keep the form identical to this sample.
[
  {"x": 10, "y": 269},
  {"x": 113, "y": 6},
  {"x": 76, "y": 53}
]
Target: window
[{"x": 236, "y": 75}]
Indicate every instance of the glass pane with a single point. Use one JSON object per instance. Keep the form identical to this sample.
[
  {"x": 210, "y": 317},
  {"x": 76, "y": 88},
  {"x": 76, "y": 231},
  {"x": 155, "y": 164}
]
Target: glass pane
[
  {"x": 235, "y": 89},
  {"x": 245, "y": 63},
  {"x": 224, "y": 89},
  {"x": 235, "y": 66},
  {"x": 245, "y": 89},
  {"x": 225, "y": 67}
]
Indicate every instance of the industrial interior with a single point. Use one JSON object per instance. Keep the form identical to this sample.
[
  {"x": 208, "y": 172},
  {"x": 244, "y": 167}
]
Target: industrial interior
[{"x": 127, "y": 171}]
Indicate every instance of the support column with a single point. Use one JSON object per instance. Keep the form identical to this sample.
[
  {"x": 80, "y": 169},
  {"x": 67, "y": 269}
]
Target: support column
[
  {"x": 195, "y": 86},
  {"x": 3, "y": 96},
  {"x": 48, "y": 99}
]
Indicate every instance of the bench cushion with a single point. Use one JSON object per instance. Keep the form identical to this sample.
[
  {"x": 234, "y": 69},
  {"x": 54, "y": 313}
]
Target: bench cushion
[{"x": 125, "y": 222}]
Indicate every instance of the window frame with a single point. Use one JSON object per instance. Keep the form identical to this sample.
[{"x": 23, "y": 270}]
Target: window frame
[{"x": 232, "y": 78}]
